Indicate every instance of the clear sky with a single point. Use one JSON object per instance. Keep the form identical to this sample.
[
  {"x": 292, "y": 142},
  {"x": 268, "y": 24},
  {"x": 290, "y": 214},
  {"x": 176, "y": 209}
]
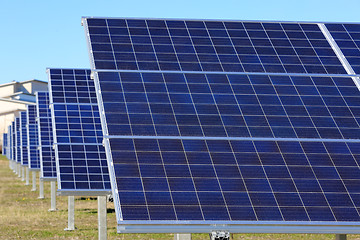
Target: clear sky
[{"x": 38, "y": 34}]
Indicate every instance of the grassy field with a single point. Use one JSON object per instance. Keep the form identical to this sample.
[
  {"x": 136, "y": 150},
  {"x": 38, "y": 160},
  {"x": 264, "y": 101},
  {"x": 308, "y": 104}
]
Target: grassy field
[{"x": 23, "y": 216}]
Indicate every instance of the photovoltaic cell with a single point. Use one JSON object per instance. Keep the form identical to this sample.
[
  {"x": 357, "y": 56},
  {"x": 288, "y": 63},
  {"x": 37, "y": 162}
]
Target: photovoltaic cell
[
  {"x": 33, "y": 139},
  {"x": 47, "y": 154},
  {"x": 201, "y": 142},
  {"x": 220, "y": 46},
  {"x": 80, "y": 156},
  {"x": 23, "y": 139}
]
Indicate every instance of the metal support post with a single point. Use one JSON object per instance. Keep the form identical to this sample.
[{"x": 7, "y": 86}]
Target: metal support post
[
  {"x": 33, "y": 181},
  {"x": 71, "y": 214},
  {"x": 27, "y": 177},
  {"x": 41, "y": 188},
  {"x": 22, "y": 173},
  {"x": 182, "y": 236},
  {"x": 53, "y": 196},
  {"x": 102, "y": 211},
  {"x": 19, "y": 170},
  {"x": 340, "y": 237}
]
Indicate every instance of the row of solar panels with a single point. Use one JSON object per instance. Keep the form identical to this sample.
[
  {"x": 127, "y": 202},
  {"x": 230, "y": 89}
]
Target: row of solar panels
[
  {"x": 81, "y": 161},
  {"x": 218, "y": 125}
]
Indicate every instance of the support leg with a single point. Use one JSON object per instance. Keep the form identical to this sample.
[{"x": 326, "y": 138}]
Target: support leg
[
  {"x": 71, "y": 214},
  {"x": 27, "y": 177},
  {"x": 102, "y": 211},
  {"x": 33, "y": 181},
  {"x": 340, "y": 237},
  {"x": 41, "y": 188},
  {"x": 182, "y": 236},
  {"x": 19, "y": 170},
  {"x": 22, "y": 173},
  {"x": 53, "y": 196}
]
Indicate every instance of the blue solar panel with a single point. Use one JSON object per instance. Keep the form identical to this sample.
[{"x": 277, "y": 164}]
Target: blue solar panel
[
  {"x": 347, "y": 37},
  {"x": 47, "y": 154},
  {"x": 80, "y": 156},
  {"x": 5, "y": 144},
  {"x": 220, "y": 46},
  {"x": 17, "y": 141},
  {"x": 13, "y": 142},
  {"x": 33, "y": 138},
  {"x": 208, "y": 145},
  {"x": 9, "y": 149},
  {"x": 23, "y": 140},
  {"x": 230, "y": 105}
]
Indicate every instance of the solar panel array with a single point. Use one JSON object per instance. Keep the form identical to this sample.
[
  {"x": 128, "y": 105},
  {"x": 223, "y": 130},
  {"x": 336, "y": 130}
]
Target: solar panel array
[
  {"x": 47, "y": 153},
  {"x": 232, "y": 122},
  {"x": 23, "y": 139},
  {"x": 33, "y": 138},
  {"x": 80, "y": 156}
]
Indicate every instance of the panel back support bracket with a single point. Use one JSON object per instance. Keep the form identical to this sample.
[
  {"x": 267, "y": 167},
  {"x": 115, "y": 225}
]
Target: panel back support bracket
[{"x": 219, "y": 235}]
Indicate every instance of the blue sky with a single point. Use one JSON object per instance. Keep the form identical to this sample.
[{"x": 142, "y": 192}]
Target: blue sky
[{"x": 38, "y": 34}]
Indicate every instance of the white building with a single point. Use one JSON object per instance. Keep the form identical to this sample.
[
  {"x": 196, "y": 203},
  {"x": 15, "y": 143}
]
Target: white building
[{"x": 14, "y": 97}]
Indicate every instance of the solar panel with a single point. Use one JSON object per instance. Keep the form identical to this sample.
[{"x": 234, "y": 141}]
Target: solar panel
[
  {"x": 23, "y": 139},
  {"x": 347, "y": 37},
  {"x": 13, "y": 143},
  {"x": 208, "y": 148},
  {"x": 80, "y": 156},
  {"x": 47, "y": 154},
  {"x": 5, "y": 144},
  {"x": 33, "y": 139},
  {"x": 220, "y": 46},
  {"x": 17, "y": 141},
  {"x": 8, "y": 151}
]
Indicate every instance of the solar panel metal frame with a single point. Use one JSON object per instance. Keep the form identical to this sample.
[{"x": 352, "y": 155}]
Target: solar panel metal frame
[
  {"x": 191, "y": 226},
  {"x": 68, "y": 192},
  {"x": 45, "y": 135}
]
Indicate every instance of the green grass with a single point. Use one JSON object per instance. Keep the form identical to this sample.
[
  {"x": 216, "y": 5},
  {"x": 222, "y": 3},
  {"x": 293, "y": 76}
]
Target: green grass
[{"x": 24, "y": 216}]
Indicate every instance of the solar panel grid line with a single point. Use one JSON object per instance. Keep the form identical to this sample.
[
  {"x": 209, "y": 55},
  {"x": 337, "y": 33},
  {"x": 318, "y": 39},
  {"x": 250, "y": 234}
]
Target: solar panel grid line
[
  {"x": 47, "y": 158},
  {"x": 76, "y": 133},
  {"x": 300, "y": 29}
]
